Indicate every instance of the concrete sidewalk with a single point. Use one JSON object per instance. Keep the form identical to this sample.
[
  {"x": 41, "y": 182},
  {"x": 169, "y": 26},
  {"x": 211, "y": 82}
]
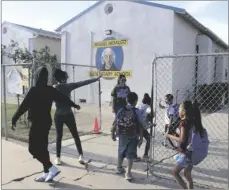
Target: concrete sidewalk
[{"x": 17, "y": 163}]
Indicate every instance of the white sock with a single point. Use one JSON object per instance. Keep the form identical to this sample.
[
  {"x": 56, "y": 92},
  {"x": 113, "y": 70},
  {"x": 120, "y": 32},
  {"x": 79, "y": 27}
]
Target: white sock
[
  {"x": 81, "y": 157},
  {"x": 53, "y": 170}
]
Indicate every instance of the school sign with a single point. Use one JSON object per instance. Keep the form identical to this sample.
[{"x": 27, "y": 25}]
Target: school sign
[{"x": 109, "y": 58}]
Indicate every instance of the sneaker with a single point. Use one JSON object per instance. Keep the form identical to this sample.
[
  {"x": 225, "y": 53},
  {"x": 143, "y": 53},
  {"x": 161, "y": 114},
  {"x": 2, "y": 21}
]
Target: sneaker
[
  {"x": 81, "y": 160},
  {"x": 41, "y": 178},
  {"x": 120, "y": 170},
  {"x": 128, "y": 176},
  {"x": 138, "y": 159},
  {"x": 145, "y": 158},
  {"x": 53, "y": 172},
  {"x": 164, "y": 144},
  {"x": 58, "y": 161}
]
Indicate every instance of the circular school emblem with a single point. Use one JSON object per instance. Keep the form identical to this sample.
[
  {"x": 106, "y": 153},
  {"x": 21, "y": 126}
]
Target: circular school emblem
[{"x": 109, "y": 57}]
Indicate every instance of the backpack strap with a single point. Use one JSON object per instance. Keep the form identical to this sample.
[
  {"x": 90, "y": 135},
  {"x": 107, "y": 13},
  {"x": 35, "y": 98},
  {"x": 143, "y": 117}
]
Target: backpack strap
[
  {"x": 120, "y": 112},
  {"x": 191, "y": 135}
]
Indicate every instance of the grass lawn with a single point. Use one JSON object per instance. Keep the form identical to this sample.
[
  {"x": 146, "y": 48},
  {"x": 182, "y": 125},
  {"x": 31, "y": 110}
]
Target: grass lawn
[{"x": 22, "y": 129}]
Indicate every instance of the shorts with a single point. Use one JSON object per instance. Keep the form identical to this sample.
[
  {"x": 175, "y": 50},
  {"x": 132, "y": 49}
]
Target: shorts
[
  {"x": 183, "y": 160},
  {"x": 127, "y": 147}
]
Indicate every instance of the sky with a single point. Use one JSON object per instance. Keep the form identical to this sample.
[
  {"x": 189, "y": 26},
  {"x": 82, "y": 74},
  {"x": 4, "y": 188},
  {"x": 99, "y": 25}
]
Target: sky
[{"x": 49, "y": 15}]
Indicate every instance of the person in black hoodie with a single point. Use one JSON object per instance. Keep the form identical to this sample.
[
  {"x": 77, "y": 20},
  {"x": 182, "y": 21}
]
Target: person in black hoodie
[{"x": 39, "y": 101}]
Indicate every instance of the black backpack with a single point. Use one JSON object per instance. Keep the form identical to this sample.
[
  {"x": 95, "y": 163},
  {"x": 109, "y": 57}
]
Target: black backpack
[{"x": 127, "y": 122}]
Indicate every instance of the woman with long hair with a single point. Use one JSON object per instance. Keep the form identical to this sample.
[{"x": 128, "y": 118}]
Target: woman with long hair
[
  {"x": 39, "y": 101},
  {"x": 64, "y": 114},
  {"x": 119, "y": 94},
  {"x": 186, "y": 123}
]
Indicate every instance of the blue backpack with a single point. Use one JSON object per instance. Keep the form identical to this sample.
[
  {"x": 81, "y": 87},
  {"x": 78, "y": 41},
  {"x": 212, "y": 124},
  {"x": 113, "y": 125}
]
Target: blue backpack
[{"x": 198, "y": 146}]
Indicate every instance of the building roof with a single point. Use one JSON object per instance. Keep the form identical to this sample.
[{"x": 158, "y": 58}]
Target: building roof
[
  {"x": 182, "y": 12},
  {"x": 37, "y": 31}
]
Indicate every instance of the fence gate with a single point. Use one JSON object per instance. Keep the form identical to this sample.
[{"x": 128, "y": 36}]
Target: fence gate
[
  {"x": 201, "y": 77},
  {"x": 16, "y": 80}
]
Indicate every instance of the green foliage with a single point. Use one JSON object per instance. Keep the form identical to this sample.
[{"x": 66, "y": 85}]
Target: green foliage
[{"x": 22, "y": 55}]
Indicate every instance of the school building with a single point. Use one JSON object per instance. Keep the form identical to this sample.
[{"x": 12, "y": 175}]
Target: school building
[{"x": 125, "y": 36}]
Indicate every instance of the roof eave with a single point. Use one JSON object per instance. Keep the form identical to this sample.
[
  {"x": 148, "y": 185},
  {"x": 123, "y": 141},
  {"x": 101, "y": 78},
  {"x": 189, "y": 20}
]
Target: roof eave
[
  {"x": 49, "y": 36},
  {"x": 158, "y": 5},
  {"x": 203, "y": 29},
  {"x": 33, "y": 31}
]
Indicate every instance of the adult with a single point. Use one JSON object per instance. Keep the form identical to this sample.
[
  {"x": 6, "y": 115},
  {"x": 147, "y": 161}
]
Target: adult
[
  {"x": 64, "y": 114},
  {"x": 119, "y": 94},
  {"x": 39, "y": 101}
]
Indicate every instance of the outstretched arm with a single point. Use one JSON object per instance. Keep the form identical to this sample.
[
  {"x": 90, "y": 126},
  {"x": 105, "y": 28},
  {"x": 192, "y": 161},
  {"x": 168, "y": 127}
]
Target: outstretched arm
[
  {"x": 25, "y": 105},
  {"x": 59, "y": 97},
  {"x": 161, "y": 106},
  {"x": 75, "y": 85}
]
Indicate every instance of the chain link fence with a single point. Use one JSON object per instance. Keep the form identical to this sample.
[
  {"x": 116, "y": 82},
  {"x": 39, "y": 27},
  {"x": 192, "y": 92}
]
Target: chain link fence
[
  {"x": 201, "y": 77},
  {"x": 17, "y": 80}
]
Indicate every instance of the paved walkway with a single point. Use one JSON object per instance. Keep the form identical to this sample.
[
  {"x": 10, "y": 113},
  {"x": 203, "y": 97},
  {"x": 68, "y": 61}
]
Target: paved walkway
[{"x": 18, "y": 163}]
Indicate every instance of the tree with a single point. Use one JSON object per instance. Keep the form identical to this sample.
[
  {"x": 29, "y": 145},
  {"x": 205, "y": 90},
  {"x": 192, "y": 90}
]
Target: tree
[{"x": 23, "y": 55}]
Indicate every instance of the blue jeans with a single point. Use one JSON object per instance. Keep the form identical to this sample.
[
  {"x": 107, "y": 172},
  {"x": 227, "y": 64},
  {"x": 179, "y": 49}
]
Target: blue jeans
[{"x": 127, "y": 147}]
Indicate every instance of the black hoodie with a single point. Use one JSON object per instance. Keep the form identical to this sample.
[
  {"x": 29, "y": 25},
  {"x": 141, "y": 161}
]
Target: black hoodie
[{"x": 39, "y": 100}]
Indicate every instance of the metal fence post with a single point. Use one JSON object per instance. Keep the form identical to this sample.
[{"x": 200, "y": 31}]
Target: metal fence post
[
  {"x": 4, "y": 100},
  {"x": 152, "y": 129},
  {"x": 73, "y": 78},
  {"x": 100, "y": 107}
]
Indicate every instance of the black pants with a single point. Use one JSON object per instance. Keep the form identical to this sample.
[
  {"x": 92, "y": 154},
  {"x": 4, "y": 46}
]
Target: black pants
[
  {"x": 38, "y": 144},
  {"x": 69, "y": 120},
  {"x": 146, "y": 135}
]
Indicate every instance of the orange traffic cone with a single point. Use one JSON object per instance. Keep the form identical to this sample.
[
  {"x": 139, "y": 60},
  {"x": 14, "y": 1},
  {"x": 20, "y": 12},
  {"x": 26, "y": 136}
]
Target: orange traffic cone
[{"x": 96, "y": 126}]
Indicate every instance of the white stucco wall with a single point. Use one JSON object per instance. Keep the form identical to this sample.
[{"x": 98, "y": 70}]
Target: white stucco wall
[
  {"x": 221, "y": 64},
  {"x": 183, "y": 67},
  {"x": 147, "y": 37},
  {"x": 18, "y": 35},
  {"x": 206, "y": 63},
  {"x": 53, "y": 43}
]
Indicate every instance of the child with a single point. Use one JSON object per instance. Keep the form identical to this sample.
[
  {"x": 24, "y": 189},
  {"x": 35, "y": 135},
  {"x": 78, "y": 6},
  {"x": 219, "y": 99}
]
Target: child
[
  {"x": 128, "y": 125},
  {"x": 146, "y": 102},
  {"x": 169, "y": 114},
  {"x": 183, "y": 161}
]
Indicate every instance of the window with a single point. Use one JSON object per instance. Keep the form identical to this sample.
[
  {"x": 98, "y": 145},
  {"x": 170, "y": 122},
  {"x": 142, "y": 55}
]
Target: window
[
  {"x": 4, "y": 30},
  {"x": 108, "y": 8}
]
